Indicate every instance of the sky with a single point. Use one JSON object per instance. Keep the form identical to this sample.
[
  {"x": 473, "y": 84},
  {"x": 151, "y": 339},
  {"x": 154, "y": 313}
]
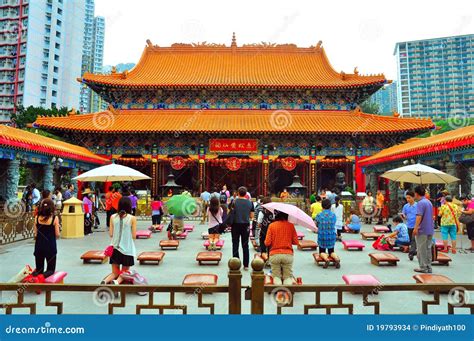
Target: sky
[{"x": 360, "y": 33}]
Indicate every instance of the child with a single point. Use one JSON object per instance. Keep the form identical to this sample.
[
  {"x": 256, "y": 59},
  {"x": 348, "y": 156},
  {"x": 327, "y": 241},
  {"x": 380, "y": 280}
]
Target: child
[
  {"x": 327, "y": 234},
  {"x": 156, "y": 212},
  {"x": 214, "y": 214},
  {"x": 400, "y": 236},
  {"x": 353, "y": 223}
]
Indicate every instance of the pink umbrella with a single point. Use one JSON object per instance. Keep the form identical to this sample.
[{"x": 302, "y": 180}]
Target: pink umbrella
[{"x": 295, "y": 215}]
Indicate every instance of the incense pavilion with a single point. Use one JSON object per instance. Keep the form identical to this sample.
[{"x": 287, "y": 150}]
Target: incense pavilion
[{"x": 253, "y": 115}]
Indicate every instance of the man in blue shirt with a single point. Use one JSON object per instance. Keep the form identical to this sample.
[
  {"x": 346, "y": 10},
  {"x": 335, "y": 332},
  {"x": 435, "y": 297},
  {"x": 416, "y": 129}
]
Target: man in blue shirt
[
  {"x": 424, "y": 230},
  {"x": 205, "y": 197},
  {"x": 409, "y": 214}
]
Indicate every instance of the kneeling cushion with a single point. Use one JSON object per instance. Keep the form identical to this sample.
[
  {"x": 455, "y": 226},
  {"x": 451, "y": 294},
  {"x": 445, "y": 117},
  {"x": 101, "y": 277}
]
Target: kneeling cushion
[
  {"x": 369, "y": 235},
  {"x": 219, "y": 244},
  {"x": 306, "y": 245},
  {"x": 57, "y": 277},
  {"x": 143, "y": 234},
  {"x": 381, "y": 229},
  {"x": 432, "y": 279},
  {"x": 360, "y": 280},
  {"x": 300, "y": 235},
  {"x": 155, "y": 256},
  {"x": 182, "y": 235},
  {"x": 188, "y": 228},
  {"x": 200, "y": 279},
  {"x": 377, "y": 258},
  {"x": 210, "y": 256},
  {"x": 169, "y": 244},
  {"x": 94, "y": 255},
  {"x": 353, "y": 245}
]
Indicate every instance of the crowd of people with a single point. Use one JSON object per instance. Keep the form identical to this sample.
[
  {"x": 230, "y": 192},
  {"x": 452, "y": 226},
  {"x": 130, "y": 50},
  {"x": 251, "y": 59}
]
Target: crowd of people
[{"x": 275, "y": 236}]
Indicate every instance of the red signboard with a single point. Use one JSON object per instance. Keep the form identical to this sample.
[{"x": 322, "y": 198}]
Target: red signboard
[
  {"x": 288, "y": 163},
  {"x": 233, "y": 145},
  {"x": 177, "y": 162},
  {"x": 233, "y": 163}
]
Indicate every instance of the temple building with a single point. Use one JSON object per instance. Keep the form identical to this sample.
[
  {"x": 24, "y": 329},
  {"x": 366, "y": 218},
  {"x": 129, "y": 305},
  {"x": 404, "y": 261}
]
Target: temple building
[
  {"x": 451, "y": 152},
  {"x": 253, "y": 115}
]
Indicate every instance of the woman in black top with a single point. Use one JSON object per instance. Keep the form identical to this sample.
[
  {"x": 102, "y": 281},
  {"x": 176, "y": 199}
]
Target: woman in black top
[{"x": 46, "y": 231}]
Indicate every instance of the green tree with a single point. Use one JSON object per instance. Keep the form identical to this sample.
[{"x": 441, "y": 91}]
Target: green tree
[
  {"x": 25, "y": 116},
  {"x": 370, "y": 107},
  {"x": 443, "y": 126}
]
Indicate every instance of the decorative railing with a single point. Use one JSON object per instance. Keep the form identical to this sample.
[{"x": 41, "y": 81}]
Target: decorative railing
[
  {"x": 15, "y": 224},
  {"x": 263, "y": 298},
  {"x": 283, "y": 296}
]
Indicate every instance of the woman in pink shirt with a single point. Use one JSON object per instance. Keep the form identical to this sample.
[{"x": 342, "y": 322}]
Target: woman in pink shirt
[
  {"x": 87, "y": 205},
  {"x": 156, "y": 211},
  {"x": 214, "y": 214},
  {"x": 469, "y": 209}
]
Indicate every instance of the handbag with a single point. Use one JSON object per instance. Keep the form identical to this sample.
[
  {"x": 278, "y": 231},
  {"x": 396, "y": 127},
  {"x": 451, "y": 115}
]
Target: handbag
[
  {"x": 466, "y": 218},
  {"x": 109, "y": 250},
  {"x": 381, "y": 244},
  {"x": 229, "y": 221},
  {"x": 454, "y": 216},
  {"x": 218, "y": 229}
]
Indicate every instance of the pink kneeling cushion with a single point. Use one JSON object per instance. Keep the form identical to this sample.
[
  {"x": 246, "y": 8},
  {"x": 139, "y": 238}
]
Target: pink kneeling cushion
[
  {"x": 188, "y": 227},
  {"x": 300, "y": 235},
  {"x": 381, "y": 228},
  {"x": 219, "y": 243},
  {"x": 57, "y": 277},
  {"x": 360, "y": 279},
  {"x": 353, "y": 244},
  {"x": 143, "y": 234}
]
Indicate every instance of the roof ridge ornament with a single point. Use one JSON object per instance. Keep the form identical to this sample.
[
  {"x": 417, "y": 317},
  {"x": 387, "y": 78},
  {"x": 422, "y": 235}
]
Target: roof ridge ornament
[
  {"x": 358, "y": 110},
  {"x": 356, "y": 71},
  {"x": 124, "y": 74},
  {"x": 111, "y": 109},
  {"x": 72, "y": 112},
  {"x": 343, "y": 75},
  {"x": 114, "y": 70},
  {"x": 233, "y": 45},
  {"x": 149, "y": 43}
]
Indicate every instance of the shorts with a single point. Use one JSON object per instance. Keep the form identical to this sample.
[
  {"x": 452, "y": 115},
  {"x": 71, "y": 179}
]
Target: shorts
[
  {"x": 448, "y": 230},
  {"x": 119, "y": 258},
  {"x": 156, "y": 219},
  {"x": 470, "y": 231}
]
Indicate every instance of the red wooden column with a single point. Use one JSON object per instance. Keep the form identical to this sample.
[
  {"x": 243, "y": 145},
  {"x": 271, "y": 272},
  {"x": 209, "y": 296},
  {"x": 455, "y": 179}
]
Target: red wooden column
[
  {"x": 359, "y": 175},
  {"x": 202, "y": 174},
  {"x": 265, "y": 176},
  {"x": 155, "y": 177}
]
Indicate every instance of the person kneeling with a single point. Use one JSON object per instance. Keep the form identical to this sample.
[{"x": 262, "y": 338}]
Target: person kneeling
[
  {"x": 326, "y": 221},
  {"x": 281, "y": 236},
  {"x": 400, "y": 236}
]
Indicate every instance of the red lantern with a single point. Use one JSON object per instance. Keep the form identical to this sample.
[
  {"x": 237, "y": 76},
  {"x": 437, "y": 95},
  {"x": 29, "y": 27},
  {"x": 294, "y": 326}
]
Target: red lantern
[
  {"x": 288, "y": 163},
  {"x": 233, "y": 163},
  {"x": 177, "y": 162}
]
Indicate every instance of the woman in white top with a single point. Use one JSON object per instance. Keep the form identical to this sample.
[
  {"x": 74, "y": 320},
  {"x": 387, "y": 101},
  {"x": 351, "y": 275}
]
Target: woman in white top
[
  {"x": 368, "y": 207},
  {"x": 338, "y": 210},
  {"x": 214, "y": 215},
  {"x": 122, "y": 230}
]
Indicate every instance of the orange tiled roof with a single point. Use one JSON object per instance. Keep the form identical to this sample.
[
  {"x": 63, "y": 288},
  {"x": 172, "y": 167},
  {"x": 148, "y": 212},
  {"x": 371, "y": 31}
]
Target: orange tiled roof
[
  {"x": 234, "y": 121},
  {"x": 21, "y": 139},
  {"x": 459, "y": 138},
  {"x": 265, "y": 65}
]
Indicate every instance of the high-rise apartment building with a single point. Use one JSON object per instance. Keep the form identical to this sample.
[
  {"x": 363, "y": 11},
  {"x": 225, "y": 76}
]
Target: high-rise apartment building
[
  {"x": 386, "y": 99},
  {"x": 92, "y": 56},
  {"x": 39, "y": 63},
  {"x": 436, "y": 77}
]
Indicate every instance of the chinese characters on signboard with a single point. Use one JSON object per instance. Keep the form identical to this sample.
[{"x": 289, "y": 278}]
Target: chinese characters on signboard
[
  {"x": 233, "y": 145},
  {"x": 233, "y": 163}
]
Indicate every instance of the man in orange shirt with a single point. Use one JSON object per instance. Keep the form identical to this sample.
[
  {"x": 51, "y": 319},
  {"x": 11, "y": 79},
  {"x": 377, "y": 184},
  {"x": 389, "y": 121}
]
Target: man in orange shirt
[
  {"x": 108, "y": 205},
  {"x": 380, "y": 202},
  {"x": 281, "y": 236}
]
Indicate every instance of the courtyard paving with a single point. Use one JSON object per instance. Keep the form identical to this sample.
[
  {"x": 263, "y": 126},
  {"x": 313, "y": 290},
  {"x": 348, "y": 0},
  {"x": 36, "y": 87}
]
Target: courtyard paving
[{"x": 177, "y": 264}]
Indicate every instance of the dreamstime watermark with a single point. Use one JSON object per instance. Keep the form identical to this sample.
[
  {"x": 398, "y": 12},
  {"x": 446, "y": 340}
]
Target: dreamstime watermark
[
  {"x": 458, "y": 297},
  {"x": 14, "y": 208},
  {"x": 458, "y": 119},
  {"x": 188, "y": 123},
  {"x": 103, "y": 120},
  {"x": 193, "y": 30},
  {"x": 281, "y": 119},
  {"x": 281, "y": 296},
  {"x": 103, "y": 296}
]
